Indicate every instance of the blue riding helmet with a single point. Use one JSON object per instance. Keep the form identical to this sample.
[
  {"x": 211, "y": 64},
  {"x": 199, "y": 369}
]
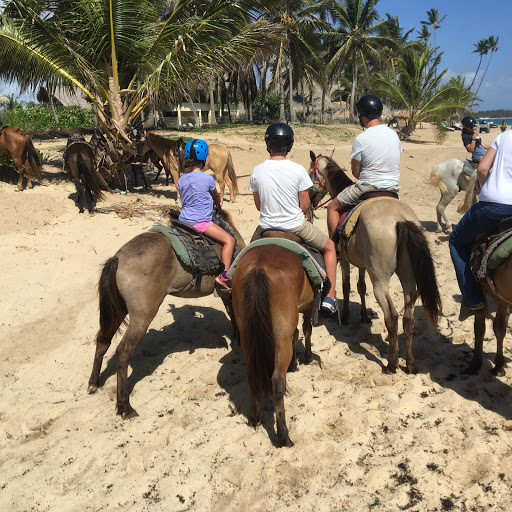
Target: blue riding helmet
[{"x": 196, "y": 149}]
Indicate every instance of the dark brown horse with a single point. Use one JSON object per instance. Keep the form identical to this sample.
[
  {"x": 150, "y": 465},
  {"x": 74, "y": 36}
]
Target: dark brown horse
[
  {"x": 134, "y": 282},
  {"x": 501, "y": 293},
  {"x": 270, "y": 289},
  {"x": 387, "y": 239},
  {"x": 20, "y": 146},
  {"x": 80, "y": 161}
]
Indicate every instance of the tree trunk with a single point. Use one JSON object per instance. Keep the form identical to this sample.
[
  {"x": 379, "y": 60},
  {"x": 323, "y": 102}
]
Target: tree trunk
[
  {"x": 293, "y": 115},
  {"x": 54, "y": 110},
  {"x": 213, "y": 118},
  {"x": 263, "y": 84},
  {"x": 485, "y": 72},
  {"x": 477, "y": 69},
  {"x": 282, "y": 115},
  {"x": 322, "y": 115},
  {"x": 354, "y": 87},
  {"x": 303, "y": 102},
  {"x": 193, "y": 109}
]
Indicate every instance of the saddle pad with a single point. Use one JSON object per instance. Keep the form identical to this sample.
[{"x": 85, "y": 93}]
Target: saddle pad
[
  {"x": 468, "y": 169},
  {"x": 351, "y": 221},
  {"x": 191, "y": 251},
  {"x": 500, "y": 254},
  {"x": 313, "y": 270}
]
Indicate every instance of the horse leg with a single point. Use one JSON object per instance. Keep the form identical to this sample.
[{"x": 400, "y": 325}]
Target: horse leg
[
  {"x": 229, "y": 183},
  {"x": 222, "y": 186},
  {"x": 284, "y": 354},
  {"x": 135, "y": 331},
  {"x": 293, "y": 366},
  {"x": 345, "y": 272},
  {"x": 307, "y": 329},
  {"x": 446, "y": 198},
  {"x": 500, "y": 329},
  {"x": 381, "y": 292},
  {"x": 361, "y": 288},
  {"x": 476, "y": 361},
  {"x": 21, "y": 172}
]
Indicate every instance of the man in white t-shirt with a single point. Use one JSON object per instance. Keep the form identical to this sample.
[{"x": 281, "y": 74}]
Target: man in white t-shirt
[
  {"x": 280, "y": 189},
  {"x": 494, "y": 204},
  {"x": 374, "y": 161}
]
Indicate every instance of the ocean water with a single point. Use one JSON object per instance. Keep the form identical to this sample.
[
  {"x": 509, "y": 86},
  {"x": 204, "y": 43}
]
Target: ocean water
[{"x": 499, "y": 120}]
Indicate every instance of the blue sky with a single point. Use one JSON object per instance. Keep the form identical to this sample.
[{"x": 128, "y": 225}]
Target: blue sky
[{"x": 465, "y": 24}]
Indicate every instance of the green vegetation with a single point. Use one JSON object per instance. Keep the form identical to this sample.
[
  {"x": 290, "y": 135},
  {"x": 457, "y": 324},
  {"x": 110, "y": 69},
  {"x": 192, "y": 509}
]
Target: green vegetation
[
  {"x": 39, "y": 117},
  {"x": 494, "y": 113}
]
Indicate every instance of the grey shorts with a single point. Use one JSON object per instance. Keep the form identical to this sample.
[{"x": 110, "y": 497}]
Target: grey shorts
[
  {"x": 309, "y": 233},
  {"x": 352, "y": 195}
]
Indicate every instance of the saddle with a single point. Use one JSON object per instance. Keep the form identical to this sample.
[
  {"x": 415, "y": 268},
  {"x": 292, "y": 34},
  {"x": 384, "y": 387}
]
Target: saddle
[
  {"x": 469, "y": 167},
  {"x": 489, "y": 252},
  {"x": 348, "y": 220},
  {"x": 197, "y": 251}
]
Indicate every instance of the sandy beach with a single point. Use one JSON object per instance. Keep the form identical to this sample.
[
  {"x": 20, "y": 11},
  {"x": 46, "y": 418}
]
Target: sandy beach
[{"x": 438, "y": 440}]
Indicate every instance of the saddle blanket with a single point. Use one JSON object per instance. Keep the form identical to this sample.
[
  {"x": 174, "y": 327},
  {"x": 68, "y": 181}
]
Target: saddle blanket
[
  {"x": 491, "y": 253},
  {"x": 348, "y": 220},
  {"x": 313, "y": 269},
  {"x": 469, "y": 168}
]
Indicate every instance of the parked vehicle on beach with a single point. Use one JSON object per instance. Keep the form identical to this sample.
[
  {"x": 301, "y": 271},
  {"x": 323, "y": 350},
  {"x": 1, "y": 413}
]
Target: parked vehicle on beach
[{"x": 484, "y": 126}]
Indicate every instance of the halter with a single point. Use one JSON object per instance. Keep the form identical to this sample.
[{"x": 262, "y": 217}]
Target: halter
[{"x": 313, "y": 173}]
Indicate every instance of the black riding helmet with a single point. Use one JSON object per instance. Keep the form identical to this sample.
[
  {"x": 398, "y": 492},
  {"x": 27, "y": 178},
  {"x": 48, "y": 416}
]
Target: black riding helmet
[
  {"x": 370, "y": 106},
  {"x": 279, "y": 136},
  {"x": 468, "y": 122}
]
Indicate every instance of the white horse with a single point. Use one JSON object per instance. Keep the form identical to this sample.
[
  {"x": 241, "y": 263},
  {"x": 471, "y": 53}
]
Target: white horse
[{"x": 451, "y": 178}]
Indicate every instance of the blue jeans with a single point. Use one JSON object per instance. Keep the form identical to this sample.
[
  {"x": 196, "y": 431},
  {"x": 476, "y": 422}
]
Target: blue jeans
[
  {"x": 483, "y": 217},
  {"x": 478, "y": 153}
]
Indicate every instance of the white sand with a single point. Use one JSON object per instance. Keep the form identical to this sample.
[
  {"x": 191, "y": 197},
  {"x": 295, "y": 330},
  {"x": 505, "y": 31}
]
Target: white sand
[{"x": 437, "y": 440}]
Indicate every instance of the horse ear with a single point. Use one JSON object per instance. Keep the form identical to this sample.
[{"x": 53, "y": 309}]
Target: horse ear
[
  {"x": 312, "y": 156},
  {"x": 333, "y": 150}
]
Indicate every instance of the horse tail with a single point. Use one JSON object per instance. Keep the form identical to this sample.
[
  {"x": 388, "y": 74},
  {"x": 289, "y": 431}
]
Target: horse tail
[
  {"x": 435, "y": 181},
  {"x": 113, "y": 309},
  {"x": 258, "y": 334},
  {"x": 33, "y": 158},
  {"x": 412, "y": 239},
  {"x": 232, "y": 175},
  {"x": 471, "y": 195},
  {"x": 89, "y": 177}
]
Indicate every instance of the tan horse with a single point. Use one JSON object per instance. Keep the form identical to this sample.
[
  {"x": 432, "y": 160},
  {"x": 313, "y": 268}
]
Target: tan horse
[
  {"x": 387, "y": 239},
  {"x": 134, "y": 282},
  {"x": 219, "y": 161},
  {"x": 502, "y": 295},
  {"x": 20, "y": 146},
  {"x": 270, "y": 289}
]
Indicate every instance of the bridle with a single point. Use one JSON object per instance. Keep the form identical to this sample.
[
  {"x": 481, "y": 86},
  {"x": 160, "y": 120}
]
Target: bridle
[{"x": 317, "y": 180}]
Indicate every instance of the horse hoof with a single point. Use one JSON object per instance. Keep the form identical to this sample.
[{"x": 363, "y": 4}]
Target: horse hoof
[
  {"x": 286, "y": 441},
  {"x": 254, "y": 421},
  {"x": 498, "y": 371},
  {"x": 389, "y": 370},
  {"x": 293, "y": 366},
  {"x": 92, "y": 389},
  {"x": 411, "y": 369},
  {"x": 129, "y": 415}
]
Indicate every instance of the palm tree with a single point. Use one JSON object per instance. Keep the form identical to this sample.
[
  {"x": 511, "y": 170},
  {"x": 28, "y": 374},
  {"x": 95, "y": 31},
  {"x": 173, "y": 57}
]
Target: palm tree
[
  {"x": 424, "y": 35},
  {"x": 417, "y": 88},
  {"x": 482, "y": 48},
  {"x": 434, "y": 22},
  {"x": 493, "y": 47},
  {"x": 357, "y": 39},
  {"x": 124, "y": 54}
]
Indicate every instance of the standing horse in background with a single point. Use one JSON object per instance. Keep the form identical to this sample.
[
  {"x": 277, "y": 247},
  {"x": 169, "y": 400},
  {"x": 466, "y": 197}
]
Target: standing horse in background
[
  {"x": 20, "y": 146},
  {"x": 219, "y": 161},
  {"x": 134, "y": 282},
  {"x": 387, "y": 239},
  {"x": 270, "y": 289},
  {"x": 163, "y": 153},
  {"x": 451, "y": 179},
  {"x": 80, "y": 161}
]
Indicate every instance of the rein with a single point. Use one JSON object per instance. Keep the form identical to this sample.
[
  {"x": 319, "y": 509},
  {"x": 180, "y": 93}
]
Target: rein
[{"x": 313, "y": 173}]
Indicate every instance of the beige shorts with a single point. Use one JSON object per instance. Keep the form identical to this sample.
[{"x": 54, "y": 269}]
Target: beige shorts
[
  {"x": 351, "y": 195},
  {"x": 309, "y": 233}
]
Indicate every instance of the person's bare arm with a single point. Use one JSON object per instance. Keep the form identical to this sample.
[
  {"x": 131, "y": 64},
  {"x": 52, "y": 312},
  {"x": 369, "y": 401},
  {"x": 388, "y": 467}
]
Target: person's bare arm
[
  {"x": 304, "y": 201},
  {"x": 257, "y": 201},
  {"x": 216, "y": 198},
  {"x": 355, "y": 166},
  {"x": 485, "y": 166}
]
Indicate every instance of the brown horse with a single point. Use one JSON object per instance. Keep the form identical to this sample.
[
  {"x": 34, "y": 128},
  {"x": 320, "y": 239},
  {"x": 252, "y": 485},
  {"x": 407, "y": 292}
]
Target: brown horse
[
  {"x": 270, "y": 289},
  {"x": 387, "y": 239},
  {"x": 502, "y": 295},
  {"x": 134, "y": 282},
  {"x": 80, "y": 161},
  {"x": 20, "y": 146},
  {"x": 163, "y": 153},
  {"x": 219, "y": 161}
]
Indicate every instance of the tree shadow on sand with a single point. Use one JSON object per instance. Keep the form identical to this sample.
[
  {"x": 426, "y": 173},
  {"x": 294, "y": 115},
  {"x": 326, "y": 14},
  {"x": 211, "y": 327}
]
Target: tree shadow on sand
[{"x": 193, "y": 328}]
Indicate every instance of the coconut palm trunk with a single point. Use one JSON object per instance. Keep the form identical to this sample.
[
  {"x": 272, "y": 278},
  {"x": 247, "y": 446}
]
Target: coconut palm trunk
[{"x": 213, "y": 118}]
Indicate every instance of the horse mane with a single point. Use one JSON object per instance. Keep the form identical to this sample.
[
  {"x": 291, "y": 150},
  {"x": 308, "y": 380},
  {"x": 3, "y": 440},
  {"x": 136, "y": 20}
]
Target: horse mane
[
  {"x": 336, "y": 175},
  {"x": 169, "y": 143}
]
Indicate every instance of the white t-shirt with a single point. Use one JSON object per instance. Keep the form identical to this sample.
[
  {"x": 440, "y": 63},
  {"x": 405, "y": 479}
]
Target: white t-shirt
[
  {"x": 498, "y": 187},
  {"x": 378, "y": 149},
  {"x": 278, "y": 183}
]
